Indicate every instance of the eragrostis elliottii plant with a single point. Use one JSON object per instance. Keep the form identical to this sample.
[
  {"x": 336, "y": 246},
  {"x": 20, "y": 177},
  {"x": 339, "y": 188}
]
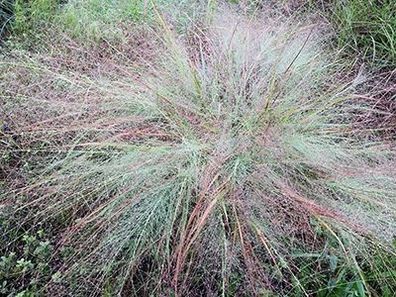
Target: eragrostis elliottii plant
[{"x": 231, "y": 168}]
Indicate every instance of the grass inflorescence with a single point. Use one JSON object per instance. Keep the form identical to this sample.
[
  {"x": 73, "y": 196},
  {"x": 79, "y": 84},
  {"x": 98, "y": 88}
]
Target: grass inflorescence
[{"x": 224, "y": 157}]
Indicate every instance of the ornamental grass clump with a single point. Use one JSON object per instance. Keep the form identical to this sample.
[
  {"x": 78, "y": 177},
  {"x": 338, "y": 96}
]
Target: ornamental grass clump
[{"x": 231, "y": 165}]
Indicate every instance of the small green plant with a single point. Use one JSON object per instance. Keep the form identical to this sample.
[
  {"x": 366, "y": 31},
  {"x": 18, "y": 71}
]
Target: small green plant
[{"x": 26, "y": 270}]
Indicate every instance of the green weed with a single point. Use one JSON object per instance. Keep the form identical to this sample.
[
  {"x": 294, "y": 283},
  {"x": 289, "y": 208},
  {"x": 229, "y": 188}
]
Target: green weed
[{"x": 25, "y": 264}]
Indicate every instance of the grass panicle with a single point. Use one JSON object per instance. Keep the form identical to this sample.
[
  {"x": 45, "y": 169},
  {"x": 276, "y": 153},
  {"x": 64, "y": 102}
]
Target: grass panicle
[{"x": 231, "y": 164}]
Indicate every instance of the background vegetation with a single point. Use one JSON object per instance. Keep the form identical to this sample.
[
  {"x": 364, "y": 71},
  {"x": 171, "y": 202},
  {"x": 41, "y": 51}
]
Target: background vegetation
[{"x": 368, "y": 29}]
